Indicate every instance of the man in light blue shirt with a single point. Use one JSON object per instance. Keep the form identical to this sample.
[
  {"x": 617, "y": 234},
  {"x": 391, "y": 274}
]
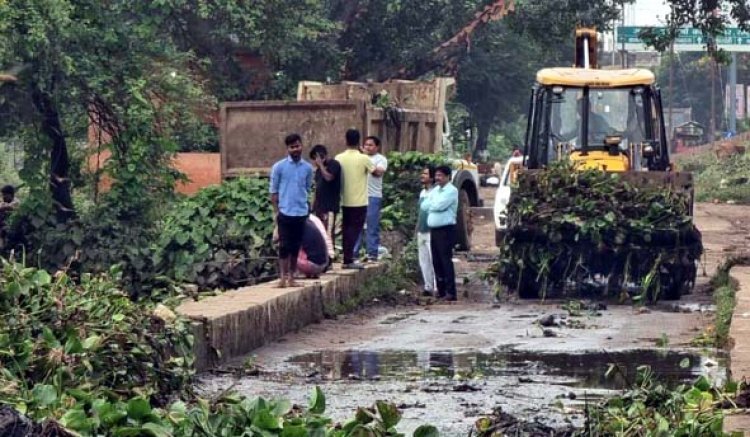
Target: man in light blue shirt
[
  {"x": 291, "y": 180},
  {"x": 441, "y": 207}
]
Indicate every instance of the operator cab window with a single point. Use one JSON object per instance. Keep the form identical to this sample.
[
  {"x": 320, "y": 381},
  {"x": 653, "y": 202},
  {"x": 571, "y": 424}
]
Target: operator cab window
[{"x": 612, "y": 112}]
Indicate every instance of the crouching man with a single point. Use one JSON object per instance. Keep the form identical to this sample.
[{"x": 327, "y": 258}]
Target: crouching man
[{"x": 315, "y": 254}]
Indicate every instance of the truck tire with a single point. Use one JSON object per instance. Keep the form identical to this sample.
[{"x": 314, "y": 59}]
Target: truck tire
[
  {"x": 529, "y": 287},
  {"x": 464, "y": 227}
]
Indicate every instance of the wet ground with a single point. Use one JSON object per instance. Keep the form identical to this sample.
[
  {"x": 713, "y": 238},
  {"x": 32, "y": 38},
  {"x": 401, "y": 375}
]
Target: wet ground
[{"x": 449, "y": 364}]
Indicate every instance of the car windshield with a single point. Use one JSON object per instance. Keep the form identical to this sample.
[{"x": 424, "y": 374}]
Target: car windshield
[{"x": 617, "y": 112}]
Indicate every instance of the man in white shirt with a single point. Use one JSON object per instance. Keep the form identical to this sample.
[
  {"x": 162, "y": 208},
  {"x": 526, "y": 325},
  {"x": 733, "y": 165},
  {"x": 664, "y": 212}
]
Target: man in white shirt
[
  {"x": 371, "y": 147},
  {"x": 427, "y": 179}
]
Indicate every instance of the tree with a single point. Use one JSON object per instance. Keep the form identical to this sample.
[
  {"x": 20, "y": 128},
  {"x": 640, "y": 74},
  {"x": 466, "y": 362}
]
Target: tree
[
  {"x": 711, "y": 16},
  {"x": 147, "y": 72},
  {"x": 495, "y": 78},
  {"x": 689, "y": 88},
  {"x": 382, "y": 38},
  {"x": 496, "y": 73}
]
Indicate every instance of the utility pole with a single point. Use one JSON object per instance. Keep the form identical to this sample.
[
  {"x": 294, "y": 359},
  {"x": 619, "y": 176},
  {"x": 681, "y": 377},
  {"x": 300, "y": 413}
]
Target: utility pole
[
  {"x": 622, "y": 52},
  {"x": 671, "y": 93},
  {"x": 733, "y": 94},
  {"x": 671, "y": 86},
  {"x": 712, "y": 123}
]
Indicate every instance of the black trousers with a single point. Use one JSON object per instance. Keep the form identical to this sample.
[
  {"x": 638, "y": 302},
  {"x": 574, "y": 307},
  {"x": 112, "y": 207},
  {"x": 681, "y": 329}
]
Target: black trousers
[
  {"x": 352, "y": 223},
  {"x": 442, "y": 240},
  {"x": 291, "y": 229}
]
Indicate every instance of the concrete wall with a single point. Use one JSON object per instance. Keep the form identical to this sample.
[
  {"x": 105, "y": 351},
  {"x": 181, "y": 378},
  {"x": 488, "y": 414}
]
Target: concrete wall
[{"x": 235, "y": 323}]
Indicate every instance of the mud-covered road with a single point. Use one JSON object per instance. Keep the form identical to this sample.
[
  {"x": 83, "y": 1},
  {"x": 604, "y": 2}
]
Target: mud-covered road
[{"x": 448, "y": 364}]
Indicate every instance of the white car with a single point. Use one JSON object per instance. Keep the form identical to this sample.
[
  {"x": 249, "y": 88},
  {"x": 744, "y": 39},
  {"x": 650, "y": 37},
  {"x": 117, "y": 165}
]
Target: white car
[{"x": 502, "y": 196}]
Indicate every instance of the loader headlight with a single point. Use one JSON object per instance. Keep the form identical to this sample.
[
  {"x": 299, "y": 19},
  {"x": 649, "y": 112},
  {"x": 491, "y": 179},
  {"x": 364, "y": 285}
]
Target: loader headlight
[{"x": 648, "y": 151}]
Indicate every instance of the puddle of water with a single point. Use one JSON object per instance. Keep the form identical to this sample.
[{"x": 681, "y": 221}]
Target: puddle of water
[{"x": 583, "y": 370}]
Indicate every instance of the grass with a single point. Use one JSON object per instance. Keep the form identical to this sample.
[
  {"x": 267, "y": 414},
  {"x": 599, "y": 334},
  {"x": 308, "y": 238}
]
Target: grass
[
  {"x": 402, "y": 273},
  {"x": 726, "y": 180},
  {"x": 384, "y": 286},
  {"x": 725, "y": 290}
]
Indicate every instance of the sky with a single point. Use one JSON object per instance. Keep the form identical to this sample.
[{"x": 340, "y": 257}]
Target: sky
[
  {"x": 641, "y": 13},
  {"x": 645, "y": 13}
]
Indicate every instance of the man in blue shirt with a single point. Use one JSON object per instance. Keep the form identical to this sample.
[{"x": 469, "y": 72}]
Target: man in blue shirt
[
  {"x": 291, "y": 180},
  {"x": 441, "y": 207}
]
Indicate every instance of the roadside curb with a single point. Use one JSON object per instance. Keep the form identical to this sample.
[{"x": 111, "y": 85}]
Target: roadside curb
[
  {"x": 235, "y": 323},
  {"x": 739, "y": 346}
]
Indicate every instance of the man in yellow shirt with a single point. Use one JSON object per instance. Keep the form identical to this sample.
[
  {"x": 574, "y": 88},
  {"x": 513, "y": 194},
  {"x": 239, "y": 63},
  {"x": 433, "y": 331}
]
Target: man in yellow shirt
[{"x": 355, "y": 166}]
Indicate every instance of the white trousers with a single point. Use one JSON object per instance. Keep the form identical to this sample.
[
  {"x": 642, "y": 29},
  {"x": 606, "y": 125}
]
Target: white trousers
[{"x": 425, "y": 261}]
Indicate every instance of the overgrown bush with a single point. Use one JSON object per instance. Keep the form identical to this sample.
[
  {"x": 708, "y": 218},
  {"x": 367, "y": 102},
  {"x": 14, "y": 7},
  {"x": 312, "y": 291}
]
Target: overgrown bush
[
  {"x": 401, "y": 189},
  {"x": 229, "y": 415},
  {"x": 60, "y": 339},
  {"x": 720, "y": 180},
  {"x": 84, "y": 358},
  {"x": 98, "y": 238},
  {"x": 568, "y": 226},
  {"x": 651, "y": 409},
  {"x": 221, "y": 237}
]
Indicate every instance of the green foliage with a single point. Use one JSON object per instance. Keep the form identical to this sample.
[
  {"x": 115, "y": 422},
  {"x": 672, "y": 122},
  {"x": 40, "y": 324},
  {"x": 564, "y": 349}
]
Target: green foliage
[
  {"x": 221, "y": 237},
  {"x": 690, "y": 89},
  {"x": 83, "y": 355},
  {"x": 8, "y": 170},
  {"x": 505, "y": 139},
  {"x": 60, "y": 339},
  {"x": 569, "y": 225},
  {"x": 103, "y": 236},
  {"x": 700, "y": 15},
  {"x": 723, "y": 180},
  {"x": 379, "y": 420},
  {"x": 495, "y": 76},
  {"x": 384, "y": 287},
  {"x": 725, "y": 298},
  {"x": 401, "y": 189},
  {"x": 392, "y": 35},
  {"x": 493, "y": 92},
  {"x": 653, "y": 409},
  {"x": 231, "y": 415}
]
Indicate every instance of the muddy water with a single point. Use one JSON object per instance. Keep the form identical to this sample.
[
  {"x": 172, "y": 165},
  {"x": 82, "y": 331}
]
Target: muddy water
[
  {"x": 453, "y": 389},
  {"x": 587, "y": 370},
  {"x": 451, "y": 364}
]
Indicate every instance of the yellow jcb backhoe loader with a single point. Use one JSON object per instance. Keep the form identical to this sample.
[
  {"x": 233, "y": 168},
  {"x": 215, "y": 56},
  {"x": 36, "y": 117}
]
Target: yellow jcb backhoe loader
[{"x": 611, "y": 120}]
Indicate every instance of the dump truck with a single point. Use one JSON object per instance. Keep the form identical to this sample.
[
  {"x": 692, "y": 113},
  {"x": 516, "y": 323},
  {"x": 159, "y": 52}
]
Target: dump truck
[
  {"x": 406, "y": 115},
  {"x": 611, "y": 121}
]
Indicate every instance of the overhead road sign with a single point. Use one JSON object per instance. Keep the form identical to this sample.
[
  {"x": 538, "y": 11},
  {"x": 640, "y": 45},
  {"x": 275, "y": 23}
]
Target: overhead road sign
[{"x": 688, "y": 39}]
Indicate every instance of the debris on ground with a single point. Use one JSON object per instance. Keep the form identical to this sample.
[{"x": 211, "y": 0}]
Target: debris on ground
[
  {"x": 14, "y": 424},
  {"x": 501, "y": 423}
]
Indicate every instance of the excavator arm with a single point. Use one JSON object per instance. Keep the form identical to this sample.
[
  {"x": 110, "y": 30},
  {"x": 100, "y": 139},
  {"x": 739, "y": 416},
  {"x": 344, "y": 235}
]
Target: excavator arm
[
  {"x": 445, "y": 56},
  {"x": 586, "y": 48}
]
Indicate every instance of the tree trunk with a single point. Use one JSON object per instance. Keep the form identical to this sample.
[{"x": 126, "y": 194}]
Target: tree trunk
[
  {"x": 59, "y": 162},
  {"x": 483, "y": 135}
]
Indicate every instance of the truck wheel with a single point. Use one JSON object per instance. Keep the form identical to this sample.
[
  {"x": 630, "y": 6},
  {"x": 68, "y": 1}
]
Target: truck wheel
[
  {"x": 529, "y": 287},
  {"x": 499, "y": 237},
  {"x": 464, "y": 227}
]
